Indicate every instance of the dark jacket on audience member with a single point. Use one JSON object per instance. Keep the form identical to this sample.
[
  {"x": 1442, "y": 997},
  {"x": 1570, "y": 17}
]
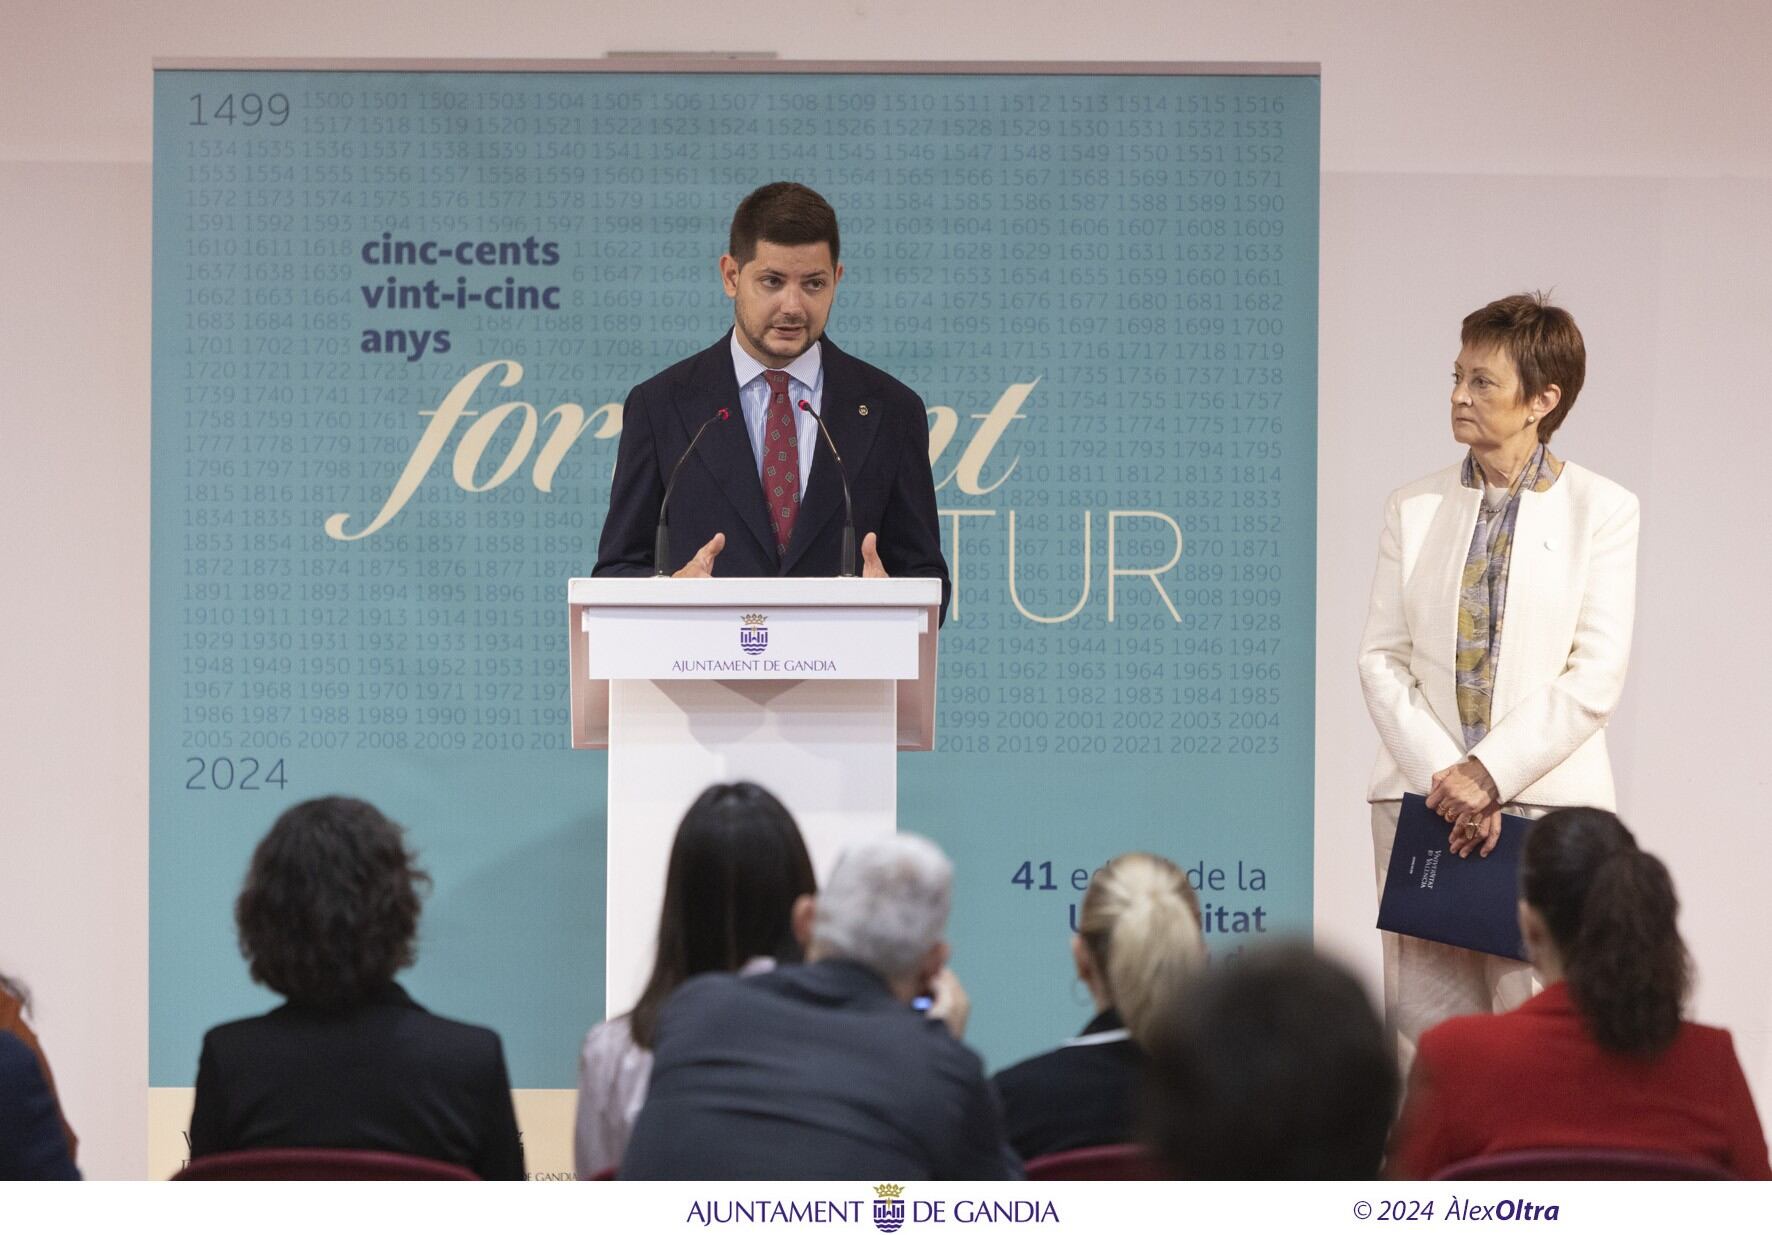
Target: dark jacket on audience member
[
  {"x": 32, "y": 1144},
  {"x": 1077, "y": 1096},
  {"x": 811, "y": 1072},
  {"x": 384, "y": 1074},
  {"x": 12, "y": 1021}
]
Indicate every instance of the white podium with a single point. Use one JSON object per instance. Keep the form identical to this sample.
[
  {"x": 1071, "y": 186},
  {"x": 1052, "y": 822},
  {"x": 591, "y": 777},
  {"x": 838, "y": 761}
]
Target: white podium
[{"x": 809, "y": 687}]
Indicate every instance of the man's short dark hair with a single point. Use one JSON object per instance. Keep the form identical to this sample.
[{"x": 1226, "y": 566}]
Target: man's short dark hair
[
  {"x": 1274, "y": 1066},
  {"x": 330, "y": 907},
  {"x": 782, "y": 213}
]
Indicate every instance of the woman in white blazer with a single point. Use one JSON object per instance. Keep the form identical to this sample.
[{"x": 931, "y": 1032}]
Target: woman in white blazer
[{"x": 1498, "y": 635}]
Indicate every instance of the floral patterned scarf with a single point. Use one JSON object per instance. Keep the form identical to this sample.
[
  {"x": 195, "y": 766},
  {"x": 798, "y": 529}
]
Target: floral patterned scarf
[{"x": 1482, "y": 597}]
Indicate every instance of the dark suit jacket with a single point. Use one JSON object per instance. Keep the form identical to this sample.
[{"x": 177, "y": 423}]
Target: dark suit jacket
[
  {"x": 32, "y": 1145},
  {"x": 384, "y": 1074},
  {"x": 811, "y": 1072},
  {"x": 12, "y": 1021},
  {"x": 1074, "y": 1097},
  {"x": 886, "y": 452},
  {"x": 1534, "y": 1078}
]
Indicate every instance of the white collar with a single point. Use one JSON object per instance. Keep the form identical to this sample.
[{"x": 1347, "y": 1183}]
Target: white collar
[
  {"x": 804, "y": 369},
  {"x": 1099, "y": 1039}
]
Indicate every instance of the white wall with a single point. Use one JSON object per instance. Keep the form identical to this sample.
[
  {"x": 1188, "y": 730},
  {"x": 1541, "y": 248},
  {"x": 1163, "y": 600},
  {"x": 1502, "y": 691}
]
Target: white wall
[{"x": 1618, "y": 150}]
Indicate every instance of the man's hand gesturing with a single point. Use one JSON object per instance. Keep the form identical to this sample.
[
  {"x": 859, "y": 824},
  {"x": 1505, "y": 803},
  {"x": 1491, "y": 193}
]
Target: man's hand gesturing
[{"x": 701, "y": 566}]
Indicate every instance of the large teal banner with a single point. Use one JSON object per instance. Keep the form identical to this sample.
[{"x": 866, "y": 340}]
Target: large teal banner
[{"x": 395, "y": 316}]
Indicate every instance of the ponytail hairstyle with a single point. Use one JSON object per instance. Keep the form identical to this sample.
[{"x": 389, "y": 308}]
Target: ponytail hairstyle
[
  {"x": 1610, "y": 909},
  {"x": 1140, "y": 921}
]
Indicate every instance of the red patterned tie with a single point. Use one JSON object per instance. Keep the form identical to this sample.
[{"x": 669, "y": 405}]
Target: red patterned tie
[{"x": 781, "y": 461}]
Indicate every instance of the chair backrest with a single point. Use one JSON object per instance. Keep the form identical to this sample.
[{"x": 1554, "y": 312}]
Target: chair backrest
[
  {"x": 320, "y": 1164},
  {"x": 1583, "y": 1164},
  {"x": 1097, "y": 1162}
]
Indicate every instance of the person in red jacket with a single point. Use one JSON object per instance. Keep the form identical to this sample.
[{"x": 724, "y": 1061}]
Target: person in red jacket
[{"x": 1602, "y": 1058}]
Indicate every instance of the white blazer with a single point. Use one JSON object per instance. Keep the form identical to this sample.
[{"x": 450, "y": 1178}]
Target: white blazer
[{"x": 1565, "y": 638}]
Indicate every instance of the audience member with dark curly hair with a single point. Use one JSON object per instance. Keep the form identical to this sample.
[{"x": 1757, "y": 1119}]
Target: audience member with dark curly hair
[
  {"x": 1601, "y": 1059},
  {"x": 328, "y": 916},
  {"x": 1274, "y": 1066}
]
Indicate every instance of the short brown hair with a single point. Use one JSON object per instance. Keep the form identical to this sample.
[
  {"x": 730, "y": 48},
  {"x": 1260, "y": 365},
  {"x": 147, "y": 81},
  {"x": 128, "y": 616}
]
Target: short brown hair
[
  {"x": 1544, "y": 344},
  {"x": 781, "y": 213}
]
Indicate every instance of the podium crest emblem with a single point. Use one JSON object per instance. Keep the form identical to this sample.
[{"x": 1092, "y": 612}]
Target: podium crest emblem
[
  {"x": 888, "y": 1207},
  {"x": 753, "y": 634}
]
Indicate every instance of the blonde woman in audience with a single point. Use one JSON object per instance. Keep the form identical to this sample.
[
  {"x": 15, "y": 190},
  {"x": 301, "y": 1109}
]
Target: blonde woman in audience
[{"x": 1138, "y": 940}]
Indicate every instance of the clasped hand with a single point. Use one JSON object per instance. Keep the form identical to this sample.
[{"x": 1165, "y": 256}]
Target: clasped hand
[
  {"x": 1465, "y": 795},
  {"x": 702, "y": 564}
]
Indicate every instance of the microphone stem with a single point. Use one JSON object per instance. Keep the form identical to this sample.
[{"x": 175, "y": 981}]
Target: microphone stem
[
  {"x": 661, "y": 541},
  {"x": 846, "y": 569}
]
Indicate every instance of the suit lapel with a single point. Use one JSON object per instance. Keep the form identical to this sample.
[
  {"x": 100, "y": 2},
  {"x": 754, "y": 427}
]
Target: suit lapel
[
  {"x": 725, "y": 449},
  {"x": 845, "y": 392},
  {"x": 1537, "y": 530}
]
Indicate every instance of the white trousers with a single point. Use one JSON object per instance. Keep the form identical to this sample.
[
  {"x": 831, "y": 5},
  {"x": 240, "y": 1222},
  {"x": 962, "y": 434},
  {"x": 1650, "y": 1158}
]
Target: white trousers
[{"x": 1426, "y": 982}]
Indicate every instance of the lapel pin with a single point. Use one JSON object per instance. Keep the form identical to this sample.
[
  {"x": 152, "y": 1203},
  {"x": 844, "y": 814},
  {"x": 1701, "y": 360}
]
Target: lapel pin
[{"x": 862, "y": 410}]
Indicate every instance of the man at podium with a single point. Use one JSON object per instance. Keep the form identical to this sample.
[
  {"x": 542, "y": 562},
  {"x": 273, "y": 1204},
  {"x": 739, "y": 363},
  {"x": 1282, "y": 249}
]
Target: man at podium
[{"x": 756, "y": 484}]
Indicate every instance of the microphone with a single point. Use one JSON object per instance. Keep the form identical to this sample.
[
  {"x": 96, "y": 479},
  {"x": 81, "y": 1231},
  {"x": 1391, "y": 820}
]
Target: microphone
[
  {"x": 848, "y": 567},
  {"x": 661, "y": 544}
]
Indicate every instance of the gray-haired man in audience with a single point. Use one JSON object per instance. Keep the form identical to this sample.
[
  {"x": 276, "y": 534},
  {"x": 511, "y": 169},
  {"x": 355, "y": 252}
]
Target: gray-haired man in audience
[{"x": 825, "y": 1070}]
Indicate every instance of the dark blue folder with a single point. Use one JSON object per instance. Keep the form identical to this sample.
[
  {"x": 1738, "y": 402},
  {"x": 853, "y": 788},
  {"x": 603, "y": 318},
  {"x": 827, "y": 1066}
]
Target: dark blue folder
[{"x": 1432, "y": 893}]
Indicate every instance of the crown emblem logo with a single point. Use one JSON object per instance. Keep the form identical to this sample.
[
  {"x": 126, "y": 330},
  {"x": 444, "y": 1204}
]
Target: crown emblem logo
[
  {"x": 753, "y": 634},
  {"x": 888, "y": 1208}
]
